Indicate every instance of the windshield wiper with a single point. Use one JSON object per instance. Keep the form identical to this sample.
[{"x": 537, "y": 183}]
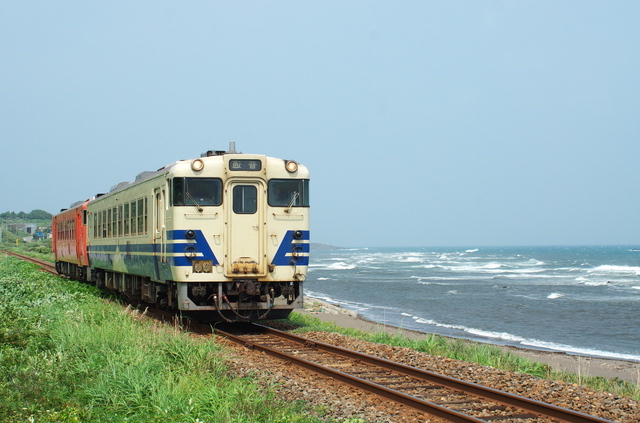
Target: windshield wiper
[
  {"x": 293, "y": 200},
  {"x": 194, "y": 202}
]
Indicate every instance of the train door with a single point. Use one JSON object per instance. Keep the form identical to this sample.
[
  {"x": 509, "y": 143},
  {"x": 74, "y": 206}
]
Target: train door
[
  {"x": 159, "y": 228},
  {"x": 245, "y": 230}
]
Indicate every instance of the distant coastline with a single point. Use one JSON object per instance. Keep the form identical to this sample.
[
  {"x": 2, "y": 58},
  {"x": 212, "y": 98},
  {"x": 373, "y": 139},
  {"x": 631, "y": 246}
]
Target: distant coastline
[{"x": 316, "y": 246}]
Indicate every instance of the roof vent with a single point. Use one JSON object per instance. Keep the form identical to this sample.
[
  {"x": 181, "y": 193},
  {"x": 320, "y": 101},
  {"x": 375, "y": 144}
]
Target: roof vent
[{"x": 232, "y": 150}]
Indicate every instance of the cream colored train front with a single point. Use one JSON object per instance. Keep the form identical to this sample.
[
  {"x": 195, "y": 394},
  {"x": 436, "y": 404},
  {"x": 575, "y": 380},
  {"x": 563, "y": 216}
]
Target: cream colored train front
[{"x": 224, "y": 236}]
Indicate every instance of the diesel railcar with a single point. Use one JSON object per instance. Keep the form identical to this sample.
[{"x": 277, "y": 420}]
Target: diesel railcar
[
  {"x": 69, "y": 243},
  {"x": 222, "y": 237}
]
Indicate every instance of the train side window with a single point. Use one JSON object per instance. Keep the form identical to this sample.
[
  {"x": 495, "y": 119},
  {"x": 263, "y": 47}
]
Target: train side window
[
  {"x": 109, "y": 223},
  {"x": 120, "y": 220},
  {"x": 141, "y": 212},
  {"x": 177, "y": 194},
  {"x": 126, "y": 219},
  {"x": 146, "y": 215},
  {"x": 134, "y": 217},
  {"x": 245, "y": 199},
  {"x": 114, "y": 222},
  {"x": 104, "y": 224},
  {"x": 288, "y": 192}
]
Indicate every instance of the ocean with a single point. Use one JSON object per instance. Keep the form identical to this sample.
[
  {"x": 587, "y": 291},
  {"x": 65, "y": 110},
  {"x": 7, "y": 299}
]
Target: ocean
[{"x": 579, "y": 300}]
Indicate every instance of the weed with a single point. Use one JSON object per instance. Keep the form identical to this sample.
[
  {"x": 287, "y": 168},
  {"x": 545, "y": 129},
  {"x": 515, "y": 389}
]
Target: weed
[
  {"x": 66, "y": 355},
  {"x": 458, "y": 349}
]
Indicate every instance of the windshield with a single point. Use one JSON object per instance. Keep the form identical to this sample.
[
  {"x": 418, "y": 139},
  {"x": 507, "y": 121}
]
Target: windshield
[
  {"x": 197, "y": 192},
  {"x": 289, "y": 193}
]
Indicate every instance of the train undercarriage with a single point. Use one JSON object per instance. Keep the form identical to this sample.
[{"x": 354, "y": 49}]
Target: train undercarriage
[{"x": 239, "y": 300}]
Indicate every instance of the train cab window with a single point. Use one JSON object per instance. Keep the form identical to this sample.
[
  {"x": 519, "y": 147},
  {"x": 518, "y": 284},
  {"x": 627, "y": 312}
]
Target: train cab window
[
  {"x": 197, "y": 192},
  {"x": 245, "y": 199},
  {"x": 289, "y": 193}
]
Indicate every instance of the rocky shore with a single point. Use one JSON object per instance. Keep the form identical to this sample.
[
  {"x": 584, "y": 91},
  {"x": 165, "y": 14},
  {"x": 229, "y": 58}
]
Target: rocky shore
[{"x": 578, "y": 364}]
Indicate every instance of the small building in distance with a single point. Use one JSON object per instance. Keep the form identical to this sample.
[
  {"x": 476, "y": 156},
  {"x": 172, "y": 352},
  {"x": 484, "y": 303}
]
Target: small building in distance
[{"x": 30, "y": 228}]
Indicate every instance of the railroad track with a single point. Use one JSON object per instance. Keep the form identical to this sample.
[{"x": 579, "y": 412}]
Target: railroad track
[
  {"x": 46, "y": 266},
  {"x": 428, "y": 392},
  {"x": 442, "y": 396}
]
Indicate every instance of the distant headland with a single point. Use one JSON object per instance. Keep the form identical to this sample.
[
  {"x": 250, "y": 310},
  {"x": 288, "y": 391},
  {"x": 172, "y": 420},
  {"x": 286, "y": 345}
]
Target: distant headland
[{"x": 317, "y": 247}]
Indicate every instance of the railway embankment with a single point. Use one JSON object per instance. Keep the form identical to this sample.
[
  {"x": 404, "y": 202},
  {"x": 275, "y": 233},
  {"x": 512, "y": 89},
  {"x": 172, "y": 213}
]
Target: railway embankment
[
  {"x": 67, "y": 355},
  {"x": 581, "y": 366}
]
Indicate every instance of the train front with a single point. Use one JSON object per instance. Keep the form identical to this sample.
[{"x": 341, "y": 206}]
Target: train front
[{"x": 238, "y": 236}]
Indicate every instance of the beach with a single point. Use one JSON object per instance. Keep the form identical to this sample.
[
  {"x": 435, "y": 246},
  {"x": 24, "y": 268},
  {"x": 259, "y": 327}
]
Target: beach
[{"x": 573, "y": 363}]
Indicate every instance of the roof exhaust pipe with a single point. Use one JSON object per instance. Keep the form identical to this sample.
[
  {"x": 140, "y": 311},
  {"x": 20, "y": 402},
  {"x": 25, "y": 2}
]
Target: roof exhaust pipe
[{"x": 211, "y": 153}]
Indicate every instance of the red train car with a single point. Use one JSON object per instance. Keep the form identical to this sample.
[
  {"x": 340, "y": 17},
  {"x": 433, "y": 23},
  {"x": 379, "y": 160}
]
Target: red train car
[{"x": 70, "y": 241}]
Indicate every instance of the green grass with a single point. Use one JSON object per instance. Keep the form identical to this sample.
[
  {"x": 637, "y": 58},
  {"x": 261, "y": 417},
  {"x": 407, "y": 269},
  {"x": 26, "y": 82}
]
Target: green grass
[
  {"x": 483, "y": 354},
  {"x": 40, "y": 249},
  {"x": 66, "y": 355}
]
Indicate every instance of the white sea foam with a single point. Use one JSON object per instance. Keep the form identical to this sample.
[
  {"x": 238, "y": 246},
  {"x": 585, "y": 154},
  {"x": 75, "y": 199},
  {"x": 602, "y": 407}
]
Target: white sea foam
[
  {"x": 472, "y": 251},
  {"x": 515, "y": 339},
  {"x": 351, "y": 305},
  {"x": 525, "y": 273},
  {"x": 613, "y": 269},
  {"x": 596, "y": 282},
  {"x": 503, "y": 336},
  {"x": 577, "y": 350},
  {"x": 340, "y": 265},
  {"x": 411, "y": 259},
  {"x": 590, "y": 279}
]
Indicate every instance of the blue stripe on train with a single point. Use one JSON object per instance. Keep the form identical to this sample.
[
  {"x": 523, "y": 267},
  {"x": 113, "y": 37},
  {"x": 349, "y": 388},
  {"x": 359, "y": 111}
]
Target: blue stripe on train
[
  {"x": 198, "y": 247},
  {"x": 293, "y": 251}
]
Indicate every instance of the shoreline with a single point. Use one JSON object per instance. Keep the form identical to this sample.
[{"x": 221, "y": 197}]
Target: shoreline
[{"x": 579, "y": 364}]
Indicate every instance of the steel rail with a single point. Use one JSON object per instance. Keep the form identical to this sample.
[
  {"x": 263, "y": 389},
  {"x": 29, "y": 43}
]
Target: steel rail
[
  {"x": 45, "y": 265},
  {"x": 534, "y": 406},
  {"x": 502, "y": 397},
  {"x": 399, "y": 397},
  {"x": 505, "y": 398}
]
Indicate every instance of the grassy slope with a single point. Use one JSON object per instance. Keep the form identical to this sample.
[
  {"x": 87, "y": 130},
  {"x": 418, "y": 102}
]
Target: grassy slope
[{"x": 67, "y": 355}]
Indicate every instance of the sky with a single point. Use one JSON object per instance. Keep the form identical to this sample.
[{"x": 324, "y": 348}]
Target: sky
[{"x": 423, "y": 123}]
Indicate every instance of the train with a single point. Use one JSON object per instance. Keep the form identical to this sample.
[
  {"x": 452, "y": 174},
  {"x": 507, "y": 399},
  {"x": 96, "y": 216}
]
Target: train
[{"x": 220, "y": 237}]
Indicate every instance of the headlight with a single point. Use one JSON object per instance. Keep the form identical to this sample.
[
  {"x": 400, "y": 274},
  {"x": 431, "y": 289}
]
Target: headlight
[
  {"x": 197, "y": 165},
  {"x": 291, "y": 166}
]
